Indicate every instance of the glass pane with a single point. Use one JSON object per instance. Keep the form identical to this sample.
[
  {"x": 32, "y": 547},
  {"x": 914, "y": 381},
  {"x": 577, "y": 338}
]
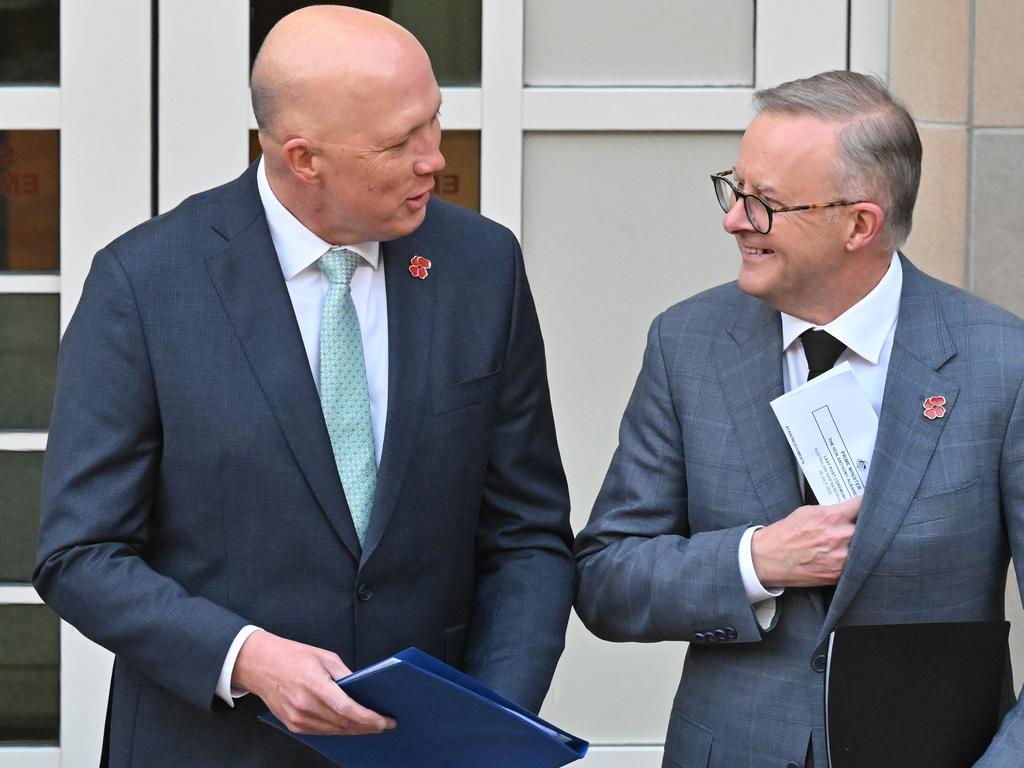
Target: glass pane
[
  {"x": 448, "y": 29},
  {"x": 21, "y": 474},
  {"x": 30, "y": 42},
  {"x": 29, "y": 329},
  {"x": 638, "y": 43},
  {"x": 30, "y": 200},
  {"x": 458, "y": 183},
  {"x": 29, "y": 674}
]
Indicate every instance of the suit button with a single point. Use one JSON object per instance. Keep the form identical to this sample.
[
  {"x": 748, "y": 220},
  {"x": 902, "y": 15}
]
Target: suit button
[
  {"x": 698, "y": 636},
  {"x": 731, "y": 633},
  {"x": 720, "y": 634},
  {"x": 818, "y": 663},
  {"x": 793, "y": 765},
  {"x": 364, "y": 593}
]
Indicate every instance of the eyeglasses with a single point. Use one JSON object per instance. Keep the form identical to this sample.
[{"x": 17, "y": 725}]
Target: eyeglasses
[{"x": 759, "y": 211}]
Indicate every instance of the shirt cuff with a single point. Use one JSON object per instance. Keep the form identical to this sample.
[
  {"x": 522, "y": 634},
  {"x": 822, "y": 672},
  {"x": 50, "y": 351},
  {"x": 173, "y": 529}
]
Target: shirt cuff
[
  {"x": 761, "y": 598},
  {"x": 224, "y": 689}
]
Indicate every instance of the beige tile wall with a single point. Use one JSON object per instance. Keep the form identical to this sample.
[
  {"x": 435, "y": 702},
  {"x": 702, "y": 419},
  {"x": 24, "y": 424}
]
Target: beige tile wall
[
  {"x": 937, "y": 242},
  {"x": 958, "y": 64}
]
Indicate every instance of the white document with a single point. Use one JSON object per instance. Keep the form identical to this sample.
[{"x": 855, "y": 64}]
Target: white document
[{"x": 831, "y": 427}]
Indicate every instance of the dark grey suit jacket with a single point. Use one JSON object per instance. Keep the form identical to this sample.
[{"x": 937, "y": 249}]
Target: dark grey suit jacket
[
  {"x": 701, "y": 457},
  {"x": 190, "y": 486}
]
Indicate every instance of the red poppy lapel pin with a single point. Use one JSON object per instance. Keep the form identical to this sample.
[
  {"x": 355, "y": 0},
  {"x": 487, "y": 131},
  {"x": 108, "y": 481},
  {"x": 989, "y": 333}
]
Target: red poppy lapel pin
[
  {"x": 935, "y": 407},
  {"x": 419, "y": 267}
]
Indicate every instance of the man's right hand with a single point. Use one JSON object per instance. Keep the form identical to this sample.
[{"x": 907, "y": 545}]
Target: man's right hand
[
  {"x": 808, "y": 547},
  {"x": 297, "y": 683}
]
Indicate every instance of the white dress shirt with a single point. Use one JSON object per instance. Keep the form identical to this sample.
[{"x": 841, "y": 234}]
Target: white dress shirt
[
  {"x": 298, "y": 250},
  {"x": 867, "y": 329}
]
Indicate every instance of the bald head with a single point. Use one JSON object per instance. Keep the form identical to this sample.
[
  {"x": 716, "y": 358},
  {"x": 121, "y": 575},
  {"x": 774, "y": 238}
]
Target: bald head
[
  {"x": 317, "y": 59},
  {"x": 348, "y": 110}
]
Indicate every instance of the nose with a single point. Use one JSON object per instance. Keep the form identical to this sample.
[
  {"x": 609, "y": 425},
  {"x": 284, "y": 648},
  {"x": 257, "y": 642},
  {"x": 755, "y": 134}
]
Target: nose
[
  {"x": 735, "y": 219},
  {"x": 432, "y": 163}
]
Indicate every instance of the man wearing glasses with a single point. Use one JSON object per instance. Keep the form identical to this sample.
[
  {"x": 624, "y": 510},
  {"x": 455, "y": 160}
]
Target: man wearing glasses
[{"x": 703, "y": 531}]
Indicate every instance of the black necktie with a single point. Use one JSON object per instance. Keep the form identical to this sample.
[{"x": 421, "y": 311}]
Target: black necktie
[{"x": 821, "y": 350}]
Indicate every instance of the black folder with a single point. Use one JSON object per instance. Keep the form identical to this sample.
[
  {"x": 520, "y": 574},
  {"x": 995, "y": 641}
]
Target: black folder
[
  {"x": 913, "y": 694},
  {"x": 445, "y": 720}
]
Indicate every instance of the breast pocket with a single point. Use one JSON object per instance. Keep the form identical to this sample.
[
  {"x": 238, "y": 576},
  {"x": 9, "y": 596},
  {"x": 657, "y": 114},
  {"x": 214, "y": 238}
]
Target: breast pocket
[{"x": 466, "y": 393}]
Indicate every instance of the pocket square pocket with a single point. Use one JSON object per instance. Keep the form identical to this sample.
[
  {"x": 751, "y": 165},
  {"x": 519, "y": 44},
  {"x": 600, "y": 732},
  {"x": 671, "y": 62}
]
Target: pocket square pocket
[{"x": 465, "y": 393}]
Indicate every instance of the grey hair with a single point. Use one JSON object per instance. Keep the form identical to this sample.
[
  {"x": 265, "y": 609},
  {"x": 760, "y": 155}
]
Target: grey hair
[{"x": 879, "y": 147}]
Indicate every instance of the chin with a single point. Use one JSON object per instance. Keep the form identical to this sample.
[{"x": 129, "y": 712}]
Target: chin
[{"x": 750, "y": 283}]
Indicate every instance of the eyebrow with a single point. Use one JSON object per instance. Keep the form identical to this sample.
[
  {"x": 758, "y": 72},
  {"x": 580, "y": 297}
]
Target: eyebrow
[{"x": 762, "y": 187}]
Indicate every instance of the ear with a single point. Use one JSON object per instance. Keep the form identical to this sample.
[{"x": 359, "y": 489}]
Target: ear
[
  {"x": 865, "y": 226},
  {"x": 301, "y": 159}
]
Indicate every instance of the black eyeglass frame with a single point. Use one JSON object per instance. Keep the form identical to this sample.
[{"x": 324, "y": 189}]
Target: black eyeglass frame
[{"x": 744, "y": 196}]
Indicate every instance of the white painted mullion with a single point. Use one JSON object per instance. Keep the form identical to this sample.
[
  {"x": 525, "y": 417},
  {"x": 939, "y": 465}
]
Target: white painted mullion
[
  {"x": 22, "y": 441},
  {"x": 30, "y": 757},
  {"x": 501, "y": 138},
  {"x": 869, "y": 37},
  {"x": 204, "y": 112},
  {"x": 16, "y": 594},
  {"x": 84, "y": 686},
  {"x": 29, "y": 108},
  {"x": 795, "y": 38},
  {"x": 461, "y": 109},
  {"x": 105, "y": 132},
  {"x": 26, "y": 282},
  {"x": 105, "y": 189}
]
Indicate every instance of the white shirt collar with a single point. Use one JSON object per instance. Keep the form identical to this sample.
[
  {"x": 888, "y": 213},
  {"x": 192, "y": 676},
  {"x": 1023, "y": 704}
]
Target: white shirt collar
[
  {"x": 297, "y": 247},
  {"x": 864, "y": 326}
]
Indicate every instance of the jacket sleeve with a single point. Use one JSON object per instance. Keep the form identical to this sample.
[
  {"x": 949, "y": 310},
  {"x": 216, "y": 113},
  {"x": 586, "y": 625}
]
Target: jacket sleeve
[
  {"x": 525, "y": 572},
  {"x": 101, "y": 485},
  {"x": 1007, "y": 747},
  {"x": 644, "y": 574}
]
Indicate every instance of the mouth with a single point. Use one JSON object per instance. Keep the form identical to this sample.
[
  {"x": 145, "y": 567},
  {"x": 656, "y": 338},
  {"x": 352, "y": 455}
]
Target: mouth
[
  {"x": 418, "y": 201},
  {"x": 754, "y": 254}
]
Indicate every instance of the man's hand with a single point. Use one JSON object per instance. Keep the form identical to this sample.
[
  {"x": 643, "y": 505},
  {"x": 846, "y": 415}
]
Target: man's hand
[
  {"x": 296, "y": 682},
  {"x": 807, "y": 548}
]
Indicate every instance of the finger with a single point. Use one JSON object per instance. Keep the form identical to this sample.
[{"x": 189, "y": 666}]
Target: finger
[
  {"x": 334, "y": 665},
  {"x": 347, "y": 711}
]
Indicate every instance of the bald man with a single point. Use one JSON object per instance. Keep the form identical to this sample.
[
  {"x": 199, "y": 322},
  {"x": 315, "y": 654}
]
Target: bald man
[{"x": 302, "y": 422}]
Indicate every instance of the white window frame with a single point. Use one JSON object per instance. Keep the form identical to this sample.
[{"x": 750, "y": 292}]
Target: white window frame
[{"x": 102, "y": 110}]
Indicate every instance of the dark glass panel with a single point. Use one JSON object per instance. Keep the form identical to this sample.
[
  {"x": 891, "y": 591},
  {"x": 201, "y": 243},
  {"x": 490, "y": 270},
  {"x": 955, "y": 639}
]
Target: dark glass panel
[
  {"x": 29, "y": 330},
  {"x": 30, "y": 42},
  {"x": 21, "y": 473},
  {"x": 29, "y": 200},
  {"x": 29, "y": 674},
  {"x": 448, "y": 29}
]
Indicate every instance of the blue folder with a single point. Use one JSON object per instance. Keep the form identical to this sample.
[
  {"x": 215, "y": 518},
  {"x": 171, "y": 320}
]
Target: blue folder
[{"x": 445, "y": 720}]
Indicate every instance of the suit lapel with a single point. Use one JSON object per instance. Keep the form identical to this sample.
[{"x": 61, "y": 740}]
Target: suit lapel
[
  {"x": 749, "y": 363},
  {"x": 906, "y": 439},
  {"x": 248, "y": 279},
  {"x": 410, "y": 330}
]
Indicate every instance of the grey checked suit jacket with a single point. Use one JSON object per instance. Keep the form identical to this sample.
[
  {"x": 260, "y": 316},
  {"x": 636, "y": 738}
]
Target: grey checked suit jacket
[
  {"x": 190, "y": 487},
  {"x": 701, "y": 457}
]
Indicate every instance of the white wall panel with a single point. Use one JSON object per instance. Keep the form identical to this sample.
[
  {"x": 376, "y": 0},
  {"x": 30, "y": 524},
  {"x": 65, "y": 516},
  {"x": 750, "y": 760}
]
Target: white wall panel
[
  {"x": 616, "y": 227},
  {"x": 796, "y": 38},
  {"x": 639, "y": 42}
]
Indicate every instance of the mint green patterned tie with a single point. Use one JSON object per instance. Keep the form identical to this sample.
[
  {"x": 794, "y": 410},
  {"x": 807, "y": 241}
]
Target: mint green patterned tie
[{"x": 344, "y": 395}]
